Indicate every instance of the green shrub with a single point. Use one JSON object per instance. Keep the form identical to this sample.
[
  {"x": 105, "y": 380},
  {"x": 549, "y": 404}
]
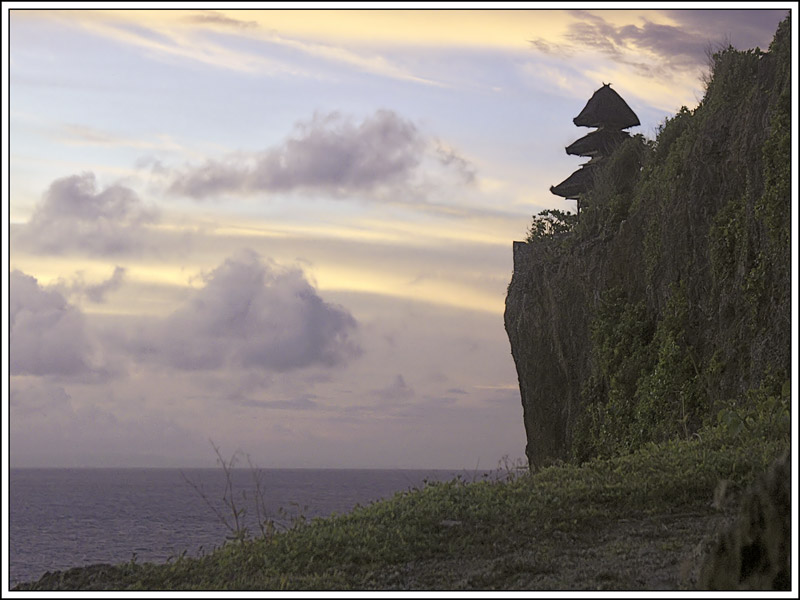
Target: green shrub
[{"x": 551, "y": 223}]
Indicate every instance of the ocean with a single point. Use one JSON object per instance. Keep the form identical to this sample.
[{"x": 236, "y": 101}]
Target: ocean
[{"x": 63, "y": 518}]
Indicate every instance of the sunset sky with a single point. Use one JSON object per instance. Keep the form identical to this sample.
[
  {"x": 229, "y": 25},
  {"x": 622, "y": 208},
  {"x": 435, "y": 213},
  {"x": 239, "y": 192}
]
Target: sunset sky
[{"x": 290, "y": 232}]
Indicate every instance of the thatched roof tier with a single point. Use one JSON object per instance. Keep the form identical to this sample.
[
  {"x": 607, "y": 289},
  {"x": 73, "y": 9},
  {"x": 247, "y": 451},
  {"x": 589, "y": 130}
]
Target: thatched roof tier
[
  {"x": 576, "y": 184},
  {"x": 606, "y": 108},
  {"x": 598, "y": 143}
]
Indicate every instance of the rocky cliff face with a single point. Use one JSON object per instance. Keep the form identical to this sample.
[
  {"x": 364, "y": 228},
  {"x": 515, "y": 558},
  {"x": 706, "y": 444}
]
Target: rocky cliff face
[{"x": 670, "y": 299}]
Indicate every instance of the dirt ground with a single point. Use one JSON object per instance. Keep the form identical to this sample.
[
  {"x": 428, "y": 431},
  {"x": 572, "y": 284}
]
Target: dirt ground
[{"x": 654, "y": 552}]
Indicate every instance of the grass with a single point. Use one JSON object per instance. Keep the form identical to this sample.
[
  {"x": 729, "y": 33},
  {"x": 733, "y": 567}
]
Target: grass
[{"x": 632, "y": 522}]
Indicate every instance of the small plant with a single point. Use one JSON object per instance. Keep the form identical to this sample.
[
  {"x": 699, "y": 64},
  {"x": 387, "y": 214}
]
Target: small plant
[
  {"x": 509, "y": 470},
  {"x": 265, "y": 524},
  {"x": 234, "y": 521}
]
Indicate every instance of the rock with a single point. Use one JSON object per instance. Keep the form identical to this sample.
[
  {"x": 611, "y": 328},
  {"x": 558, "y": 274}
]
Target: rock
[
  {"x": 449, "y": 523},
  {"x": 755, "y": 553}
]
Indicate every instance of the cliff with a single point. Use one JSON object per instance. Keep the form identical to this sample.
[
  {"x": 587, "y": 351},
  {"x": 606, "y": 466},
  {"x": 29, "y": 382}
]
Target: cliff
[{"x": 666, "y": 307}]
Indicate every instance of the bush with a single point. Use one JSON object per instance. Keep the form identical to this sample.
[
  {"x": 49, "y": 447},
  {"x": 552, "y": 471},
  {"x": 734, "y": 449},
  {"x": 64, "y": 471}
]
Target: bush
[{"x": 551, "y": 223}]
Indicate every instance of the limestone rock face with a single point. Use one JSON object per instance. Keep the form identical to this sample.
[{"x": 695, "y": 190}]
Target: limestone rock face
[{"x": 548, "y": 325}]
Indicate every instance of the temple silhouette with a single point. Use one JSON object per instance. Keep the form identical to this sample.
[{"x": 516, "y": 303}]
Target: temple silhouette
[{"x": 610, "y": 115}]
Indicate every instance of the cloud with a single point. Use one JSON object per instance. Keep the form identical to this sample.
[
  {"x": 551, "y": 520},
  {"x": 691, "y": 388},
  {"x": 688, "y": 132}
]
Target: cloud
[
  {"x": 191, "y": 37},
  {"x": 302, "y": 402},
  {"x": 458, "y": 391},
  {"x": 552, "y": 48},
  {"x": 36, "y": 397},
  {"x": 656, "y": 49},
  {"x": 744, "y": 29},
  {"x": 47, "y": 334},
  {"x": 97, "y": 293},
  {"x": 330, "y": 153},
  {"x": 83, "y": 135},
  {"x": 256, "y": 315},
  {"x": 397, "y": 391},
  {"x": 54, "y": 427},
  {"x": 74, "y": 216},
  {"x": 215, "y": 18},
  {"x": 361, "y": 59},
  {"x": 449, "y": 157}
]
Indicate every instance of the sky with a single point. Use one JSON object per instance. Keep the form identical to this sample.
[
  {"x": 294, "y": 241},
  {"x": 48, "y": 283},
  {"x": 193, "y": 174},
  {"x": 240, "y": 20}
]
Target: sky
[{"x": 289, "y": 232}]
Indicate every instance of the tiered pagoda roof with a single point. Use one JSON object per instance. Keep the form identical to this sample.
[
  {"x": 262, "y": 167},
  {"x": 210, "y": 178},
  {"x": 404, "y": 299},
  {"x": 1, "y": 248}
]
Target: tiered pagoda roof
[
  {"x": 606, "y": 108},
  {"x": 574, "y": 185},
  {"x": 600, "y": 142},
  {"x": 610, "y": 114}
]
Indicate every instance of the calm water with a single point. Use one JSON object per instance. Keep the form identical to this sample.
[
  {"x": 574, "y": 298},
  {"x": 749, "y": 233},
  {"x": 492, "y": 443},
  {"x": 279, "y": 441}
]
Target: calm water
[{"x": 62, "y": 518}]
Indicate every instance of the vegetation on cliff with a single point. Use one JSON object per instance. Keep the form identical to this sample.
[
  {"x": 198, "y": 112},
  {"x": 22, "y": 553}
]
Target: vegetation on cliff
[{"x": 666, "y": 307}]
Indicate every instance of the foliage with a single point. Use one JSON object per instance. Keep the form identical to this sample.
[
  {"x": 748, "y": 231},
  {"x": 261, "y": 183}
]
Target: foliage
[
  {"x": 669, "y": 131},
  {"x": 765, "y": 412},
  {"x": 732, "y": 70},
  {"x": 669, "y": 400},
  {"x": 551, "y": 223},
  {"x": 609, "y": 201}
]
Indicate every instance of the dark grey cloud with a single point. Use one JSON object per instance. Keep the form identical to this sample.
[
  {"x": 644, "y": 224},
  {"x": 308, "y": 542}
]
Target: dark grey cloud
[
  {"x": 254, "y": 314},
  {"x": 677, "y": 47},
  {"x": 452, "y": 159},
  {"x": 47, "y": 334},
  {"x": 212, "y": 16},
  {"x": 302, "y": 402},
  {"x": 74, "y": 216},
  {"x": 458, "y": 391},
  {"x": 330, "y": 153},
  {"x": 548, "y": 47},
  {"x": 742, "y": 28}
]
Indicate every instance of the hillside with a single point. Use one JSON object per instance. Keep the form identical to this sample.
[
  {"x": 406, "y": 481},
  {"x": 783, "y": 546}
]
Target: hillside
[{"x": 645, "y": 521}]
